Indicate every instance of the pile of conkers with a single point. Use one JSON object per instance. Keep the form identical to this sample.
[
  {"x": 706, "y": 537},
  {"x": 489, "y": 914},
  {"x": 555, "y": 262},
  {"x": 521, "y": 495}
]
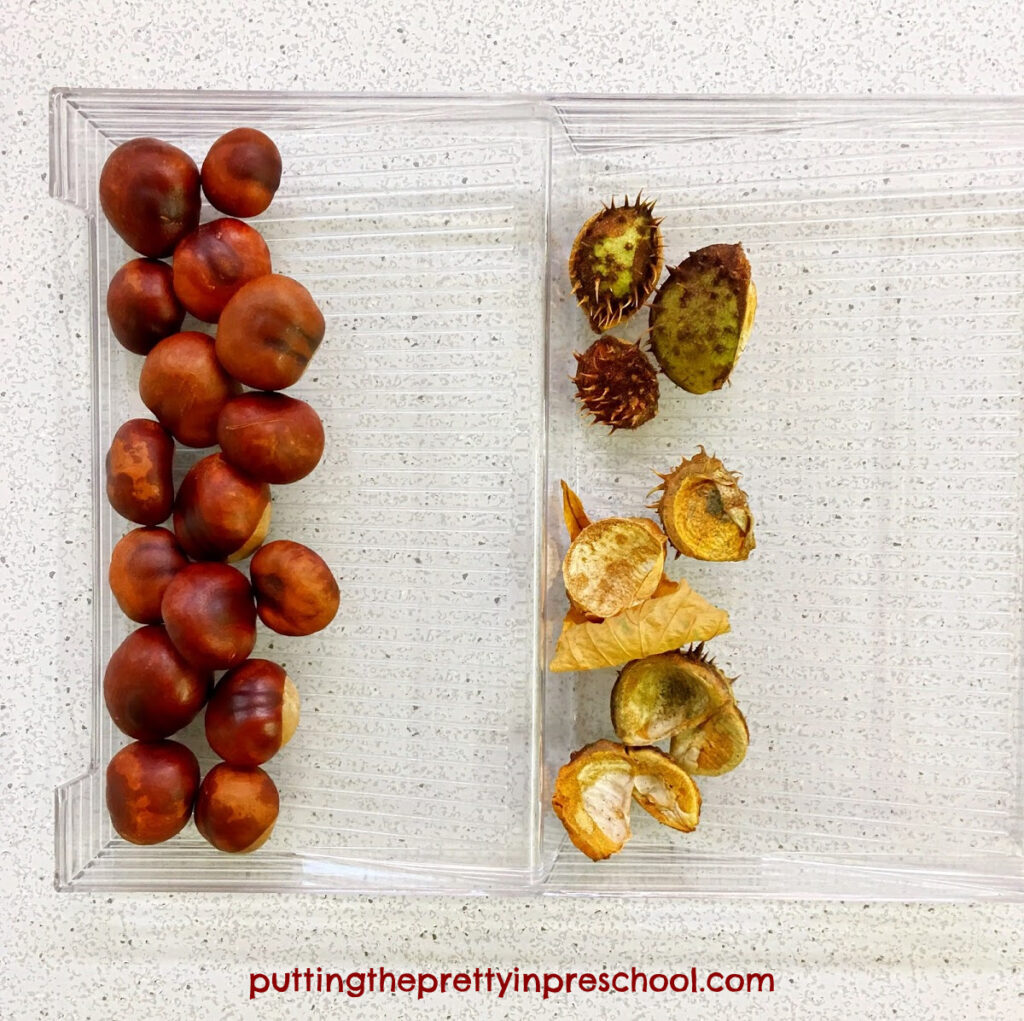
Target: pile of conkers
[{"x": 198, "y": 613}]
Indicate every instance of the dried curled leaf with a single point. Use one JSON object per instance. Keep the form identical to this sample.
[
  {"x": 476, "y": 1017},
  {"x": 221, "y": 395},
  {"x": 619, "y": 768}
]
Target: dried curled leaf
[
  {"x": 614, "y": 564},
  {"x": 657, "y": 625},
  {"x": 592, "y": 795},
  {"x": 717, "y": 746},
  {"x": 572, "y": 510},
  {"x": 663, "y": 788},
  {"x": 665, "y": 587},
  {"x": 658, "y": 696},
  {"x": 704, "y": 512}
]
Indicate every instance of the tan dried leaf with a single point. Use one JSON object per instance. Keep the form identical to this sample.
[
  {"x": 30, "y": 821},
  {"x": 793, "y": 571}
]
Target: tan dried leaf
[
  {"x": 572, "y": 510},
  {"x": 665, "y": 587},
  {"x": 657, "y": 625}
]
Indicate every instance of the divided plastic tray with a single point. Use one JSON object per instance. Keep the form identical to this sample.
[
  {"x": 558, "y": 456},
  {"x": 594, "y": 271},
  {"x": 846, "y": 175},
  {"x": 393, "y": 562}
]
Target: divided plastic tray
[{"x": 876, "y": 416}]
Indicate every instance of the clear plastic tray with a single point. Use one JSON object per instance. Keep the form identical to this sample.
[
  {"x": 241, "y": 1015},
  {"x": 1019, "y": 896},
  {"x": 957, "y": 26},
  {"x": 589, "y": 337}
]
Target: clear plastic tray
[{"x": 876, "y": 417}]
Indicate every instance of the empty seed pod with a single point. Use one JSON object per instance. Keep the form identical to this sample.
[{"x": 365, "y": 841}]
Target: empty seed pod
[
  {"x": 664, "y": 789},
  {"x": 684, "y": 696},
  {"x": 704, "y": 512},
  {"x": 658, "y": 696},
  {"x": 717, "y": 746},
  {"x": 615, "y": 262},
  {"x": 701, "y": 317},
  {"x": 616, "y": 383},
  {"x": 592, "y": 796},
  {"x": 613, "y": 564}
]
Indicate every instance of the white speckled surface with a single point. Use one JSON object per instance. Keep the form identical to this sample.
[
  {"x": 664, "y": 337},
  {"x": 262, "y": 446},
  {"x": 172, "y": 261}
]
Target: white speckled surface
[{"x": 186, "y": 956}]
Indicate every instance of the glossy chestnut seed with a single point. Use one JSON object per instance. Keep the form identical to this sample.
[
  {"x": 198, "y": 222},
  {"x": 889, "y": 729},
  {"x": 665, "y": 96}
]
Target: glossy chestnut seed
[
  {"x": 209, "y": 615},
  {"x": 151, "y": 790},
  {"x": 141, "y": 305},
  {"x": 296, "y": 593},
  {"x": 220, "y": 512},
  {"x": 241, "y": 172},
  {"x": 214, "y": 261},
  {"x": 141, "y": 567},
  {"x": 236, "y": 807},
  {"x": 270, "y": 436},
  {"x": 252, "y": 714},
  {"x": 184, "y": 385},
  {"x": 268, "y": 332},
  {"x": 139, "y": 462},
  {"x": 149, "y": 191},
  {"x": 149, "y": 688}
]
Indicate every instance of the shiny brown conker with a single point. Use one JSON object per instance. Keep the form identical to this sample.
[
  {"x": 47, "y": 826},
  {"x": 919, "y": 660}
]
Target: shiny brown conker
[
  {"x": 296, "y": 593},
  {"x": 270, "y": 436},
  {"x": 150, "y": 690},
  {"x": 185, "y": 386},
  {"x": 253, "y": 713},
  {"x": 209, "y": 615},
  {"x": 142, "y": 306},
  {"x": 220, "y": 512},
  {"x": 151, "y": 790},
  {"x": 138, "y": 468},
  {"x": 149, "y": 191},
  {"x": 269, "y": 331},
  {"x": 141, "y": 565},
  {"x": 214, "y": 261},
  {"x": 236, "y": 807},
  {"x": 241, "y": 172}
]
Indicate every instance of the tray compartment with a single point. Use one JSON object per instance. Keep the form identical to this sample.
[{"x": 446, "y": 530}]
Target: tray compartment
[
  {"x": 876, "y": 418},
  {"x": 422, "y": 236}
]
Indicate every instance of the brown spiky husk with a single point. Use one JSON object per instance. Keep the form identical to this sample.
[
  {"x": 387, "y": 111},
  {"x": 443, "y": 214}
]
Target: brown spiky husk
[
  {"x": 617, "y": 383},
  {"x": 704, "y": 512},
  {"x": 602, "y": 308}
]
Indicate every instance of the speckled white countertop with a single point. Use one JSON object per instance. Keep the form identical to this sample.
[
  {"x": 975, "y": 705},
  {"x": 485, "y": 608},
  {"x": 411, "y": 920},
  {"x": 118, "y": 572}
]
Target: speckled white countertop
[{"x": 66, "y": 956}]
